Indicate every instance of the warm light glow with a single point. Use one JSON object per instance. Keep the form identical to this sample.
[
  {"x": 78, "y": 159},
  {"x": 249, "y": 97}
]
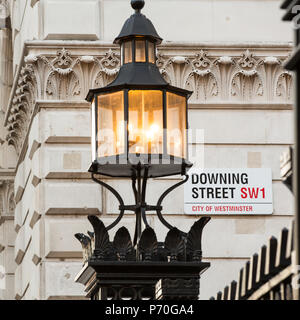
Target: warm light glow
[
  {"x": 139, "y": 149},
  {"x": 145, "y": 121},
  {"x": 176, "y": 125},
  {"x": 110, "y": 124},
  {"x": 140, "y": 51},
  {"x": 151, "y": 134},
  {"x": 127, "y": 49},
  {"x": 93, "y": 131},
  {"x": 151, "y": 52},
  {"x": 178, "y": 144}
]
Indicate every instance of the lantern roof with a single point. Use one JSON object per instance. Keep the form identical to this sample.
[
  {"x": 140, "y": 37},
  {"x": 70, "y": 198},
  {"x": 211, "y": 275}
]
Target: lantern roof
[
  {"x": 138, "y": 25},
  {"x": 134, "y": 75},
  {"x": 141, "y": 86}
]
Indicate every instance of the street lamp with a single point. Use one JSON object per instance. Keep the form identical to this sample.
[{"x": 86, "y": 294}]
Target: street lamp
[{"x": 139, "y": 131}]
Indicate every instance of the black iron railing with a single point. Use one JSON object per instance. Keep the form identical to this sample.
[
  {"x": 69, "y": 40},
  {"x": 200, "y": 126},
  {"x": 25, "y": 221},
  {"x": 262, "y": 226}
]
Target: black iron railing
[{"x": 269, "y": 275}]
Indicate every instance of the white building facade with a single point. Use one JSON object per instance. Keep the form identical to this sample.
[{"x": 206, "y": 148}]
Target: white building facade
[{"x": 230, "y": 53}]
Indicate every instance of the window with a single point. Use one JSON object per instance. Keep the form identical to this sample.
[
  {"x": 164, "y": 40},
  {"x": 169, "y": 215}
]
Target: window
[
  {"x": 151, "y": 52},
  {"x": 110, "y": 124},
  {"x": 176, "y": 125},
  {"x": 127, "y": 52},
  {"x": 140, "y": 51},
  {"x": 145, "y": 123}
]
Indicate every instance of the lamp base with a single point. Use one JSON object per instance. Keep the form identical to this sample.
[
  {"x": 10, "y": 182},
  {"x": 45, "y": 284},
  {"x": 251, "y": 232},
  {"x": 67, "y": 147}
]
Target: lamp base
[
  {"x": 118, "y": 270},
  {"x": 158, "y": 166},
  {"x": 141, "y": 280}
]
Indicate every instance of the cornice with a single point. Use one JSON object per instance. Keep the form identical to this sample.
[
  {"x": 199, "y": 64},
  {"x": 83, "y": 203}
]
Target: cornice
[{"x": 108, "y": 44}]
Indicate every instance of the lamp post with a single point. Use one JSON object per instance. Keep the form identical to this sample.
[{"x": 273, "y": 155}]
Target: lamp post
[{"x": 139, "y": 131}]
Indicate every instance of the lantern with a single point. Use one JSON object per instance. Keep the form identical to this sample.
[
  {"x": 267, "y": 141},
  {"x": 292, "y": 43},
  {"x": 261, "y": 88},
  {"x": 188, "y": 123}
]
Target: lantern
[{"x": 139, "y": 119}]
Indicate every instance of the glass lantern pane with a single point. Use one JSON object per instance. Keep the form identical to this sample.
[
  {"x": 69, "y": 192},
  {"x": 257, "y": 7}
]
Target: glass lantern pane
[
  {"x": 140, "y": 51},
  {"x": 151, "y": 53},
  {"x": 127, "y": 51},
  {"x": 145, "y": 123},
  {"x": 93, "y": 131},
  {"x": 176, "y": 125},
  {"x": 110, "y": 124}
]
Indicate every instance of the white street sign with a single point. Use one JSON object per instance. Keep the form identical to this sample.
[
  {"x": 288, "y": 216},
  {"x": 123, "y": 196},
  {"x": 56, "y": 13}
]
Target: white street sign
[{"x": 228, "y": 192}]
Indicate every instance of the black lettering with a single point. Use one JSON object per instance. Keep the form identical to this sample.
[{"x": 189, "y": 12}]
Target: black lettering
[
  {"x": 223, "y": 178},
  {"x": 202, "y": 192},
  {"x": 195, "y": 178},
  {"x": 195, "y": 194},
  {"x": 203, "y": 181},
  {"x": 235, "y": 178},
  {"x": 213, "y": 178},
  {"x": 218, "y": 193},
  {"x": 225, "y": 193},
  {"x": 232, "y": 192},
  {"x": 210, "y": 191},
  {"x": 244, "y": 178}
]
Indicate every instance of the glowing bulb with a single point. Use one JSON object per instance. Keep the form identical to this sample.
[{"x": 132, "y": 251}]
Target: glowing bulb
[
  {"x": 149, "y": 135},
  {"x": 130, "y": 127},
  {"x": 154, "y": 128}
]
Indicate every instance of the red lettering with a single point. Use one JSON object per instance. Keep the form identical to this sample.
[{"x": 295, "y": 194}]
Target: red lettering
[
  {"x": 244, "y": 193},
  {"x": 253, "y": 193}
]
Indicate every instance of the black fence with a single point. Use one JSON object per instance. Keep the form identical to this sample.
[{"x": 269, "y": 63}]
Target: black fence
[{"x": 269, "y": 275}]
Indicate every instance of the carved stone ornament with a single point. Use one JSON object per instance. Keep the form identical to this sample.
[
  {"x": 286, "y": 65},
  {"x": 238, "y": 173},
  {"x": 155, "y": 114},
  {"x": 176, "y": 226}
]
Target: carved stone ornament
[
  {"x": 242, "y": 78},
  {"x": 62, "y": 77}
]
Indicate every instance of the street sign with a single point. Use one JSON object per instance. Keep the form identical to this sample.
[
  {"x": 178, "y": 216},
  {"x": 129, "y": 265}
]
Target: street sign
[{"x": 228, "y": 192}]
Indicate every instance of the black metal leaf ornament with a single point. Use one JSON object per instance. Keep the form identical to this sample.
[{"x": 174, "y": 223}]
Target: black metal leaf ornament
[
  {"x": 84, "y": 240},
  {"x": 194, "y": 240},
  {"x": 148, "y": 244},
  {"x": 86, "y": 245},
  {"x": 92, "y": 236},
  {"x": 102, "y": 244},
  {"x": 174, "y": 244},
  {"x": 123, "y": 244}
]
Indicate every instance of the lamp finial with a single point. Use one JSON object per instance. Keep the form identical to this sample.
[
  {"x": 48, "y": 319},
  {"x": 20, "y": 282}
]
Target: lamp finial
[{"x": 137, "y": 5}]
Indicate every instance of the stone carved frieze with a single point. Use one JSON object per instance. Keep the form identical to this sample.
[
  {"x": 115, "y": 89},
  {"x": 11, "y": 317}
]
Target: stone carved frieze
[
  {"x": 22, "y": 106},
  {"x": 284, "y": 86},
  {"x": 203, "y": 78},
  {"x": 244, "y": 76},
  {"x": 63, "y": 77},
  {"x": 247, "y": 83}
]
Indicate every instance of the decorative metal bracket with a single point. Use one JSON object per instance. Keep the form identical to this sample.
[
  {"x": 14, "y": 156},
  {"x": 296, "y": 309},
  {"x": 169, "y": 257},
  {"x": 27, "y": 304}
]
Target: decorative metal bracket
[
  {"x": 169, "y": 269},
  {"x": 119, "y": 198},
  {"x": 139, "y": 180}
]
